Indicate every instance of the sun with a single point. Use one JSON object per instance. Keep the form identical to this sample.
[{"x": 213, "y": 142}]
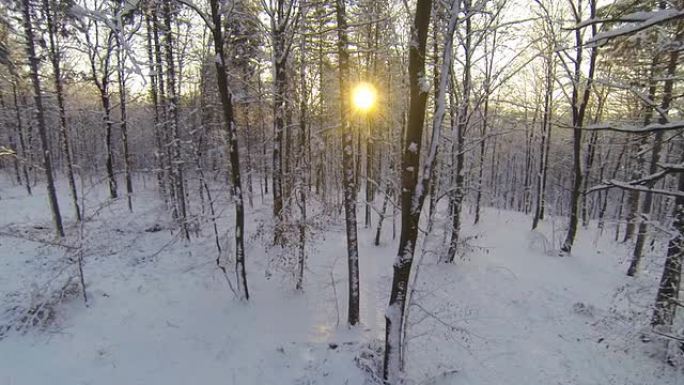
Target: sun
[{"x": 364, "y": 96}]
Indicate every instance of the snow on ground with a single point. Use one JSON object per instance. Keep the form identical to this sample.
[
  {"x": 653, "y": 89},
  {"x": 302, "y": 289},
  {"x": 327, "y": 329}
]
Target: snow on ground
[{"x": 161, "y": 313}]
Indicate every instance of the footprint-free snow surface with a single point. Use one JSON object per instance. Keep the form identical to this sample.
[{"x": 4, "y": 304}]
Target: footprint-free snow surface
[{"x": 509, "y": 311}]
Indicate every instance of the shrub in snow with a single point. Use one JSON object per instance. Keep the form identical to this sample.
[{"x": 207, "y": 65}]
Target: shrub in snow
[{"x": 40, "y": 312}]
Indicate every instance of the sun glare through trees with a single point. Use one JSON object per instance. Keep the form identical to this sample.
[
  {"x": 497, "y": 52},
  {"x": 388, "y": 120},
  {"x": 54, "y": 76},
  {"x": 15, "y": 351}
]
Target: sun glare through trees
[{"x": 371, "y": 192}]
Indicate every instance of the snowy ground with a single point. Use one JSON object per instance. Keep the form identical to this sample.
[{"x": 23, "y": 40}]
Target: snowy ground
[{"x": 161, "y": 313}]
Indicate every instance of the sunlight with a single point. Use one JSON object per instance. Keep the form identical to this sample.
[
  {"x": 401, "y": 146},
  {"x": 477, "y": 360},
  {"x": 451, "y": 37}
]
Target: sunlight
[{"x": 364, "y": 96}]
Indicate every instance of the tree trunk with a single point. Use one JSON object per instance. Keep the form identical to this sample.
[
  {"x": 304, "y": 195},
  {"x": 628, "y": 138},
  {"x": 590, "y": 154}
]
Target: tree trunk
[
  {"x": 348, "y": 174},
  {"x": 229, "y": 124},
  {"x": 42, "y": 130},
  {"x": 55, "y": 58},
  {"x": 302, "y": 165},
  {"x": 458, "y": 190},
  {"x": 413, "y": 189},
  {"x": 647, "y": 204},
  {"x": 667, "y": 298},
  {"x": 280, "y": 54},
  {"x": 158, "y": 155},
  {"x": 22, "y": 142},
  {"x": 121, "y": 74},
  {"x": 545, "y": 140},
  {"x": 10, "y": 139},
  {"x": 579, "y": 108},
  {"x": 172, "y": 106}
]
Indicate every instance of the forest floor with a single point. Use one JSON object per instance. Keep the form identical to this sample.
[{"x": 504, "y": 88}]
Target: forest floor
[{"x": 510, "y": 311}]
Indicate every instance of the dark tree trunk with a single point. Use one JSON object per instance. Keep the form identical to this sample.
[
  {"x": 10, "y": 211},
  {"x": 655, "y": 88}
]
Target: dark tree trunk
[
  {"x": 55, "y": 59},
  {"x": 22, "y": 142},
  {"x": 121, "y": 74},
  {"x": 411, "y": 204},
  {"x": 165, "y": 155},
  {"x": 647, "y": 204},
  {"x": 579, "y": 108},
  {"x": 348, "y": 174},
  {"x": 229, "y": 124},
  {"x": 176, "y": 166},
  {"x": 458, "y": 192},
  {"x": 545, "y": 141},
  {"x": 154, "y": 79},
  {"x": 10, "y": 139},
  {"x": 667, "y": 298},
  {"x": 302, "y": 165},
  {"x": 280, "y": 54},
  {"x": 42, "y": 129}
]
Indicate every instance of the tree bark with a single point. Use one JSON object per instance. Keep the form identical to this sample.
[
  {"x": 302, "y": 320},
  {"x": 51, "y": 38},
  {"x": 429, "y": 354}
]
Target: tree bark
[
  {"x": 545, "y": 139},
  {"x": 579, "y": 108},
  {"x": 42, "y": 129},
  {"x": 348, "y": 174},
  {"x": 153, "y": 75},
  {"x": 176, "y": 166},
  {"x": 121, "y": 74},
  {"x": 22, "y": 142},
  {"x": 229, "y": 124},
  {"x": 412, "y": 195},
  {"x": 647, "y": 204},
  {"x": 55, "y": 59}
]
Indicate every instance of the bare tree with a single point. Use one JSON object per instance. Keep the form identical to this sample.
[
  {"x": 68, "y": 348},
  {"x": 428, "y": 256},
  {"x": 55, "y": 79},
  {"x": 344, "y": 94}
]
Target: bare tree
[
  {"x": 348, "y": 174},
  {"x": 54, "y": 19},
  {"x": 40, "y": 117},
  {"x": 229, "y": 124},
  {"x": 581, "y": 92}
]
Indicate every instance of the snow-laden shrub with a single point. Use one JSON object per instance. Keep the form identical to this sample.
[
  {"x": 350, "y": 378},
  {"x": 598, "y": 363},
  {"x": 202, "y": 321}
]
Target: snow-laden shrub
[{"x": 40, "y": 311}]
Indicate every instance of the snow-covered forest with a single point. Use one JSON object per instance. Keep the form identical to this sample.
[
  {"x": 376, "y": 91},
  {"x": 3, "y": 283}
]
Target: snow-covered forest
[{"x": 392, "y": 192}]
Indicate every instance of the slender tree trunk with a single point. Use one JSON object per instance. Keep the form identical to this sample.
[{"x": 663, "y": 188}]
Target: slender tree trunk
[
  {"x": 667, "y": 298},
  {"x": 158, "y": 155},
  {"x": 545, "y": 140},
  {"x": 248, "y": 159},
  {"x": 458, "y": 191},
  {"x": 589, "y": 162},
  {"x": 172, "y": 106},
  {"x": 22, "y": 142},
  {"x": 102, "y": 85},
  {"x": 633, "y": 196},
  {"x": 264, "y": 162},
  {"x": 11, "y": 142},
  {"x": 42, "y": 130},
  {"x": 413, "y": 188},
  {"x": 383, "y": 212},
  {"x": 369, "y": 176},
  {"x": 579, "y": 107},
  {"x": 121, "y": 61},
  {"x": 229, "y": 124},
  {"x": 166, "y": 154},
  {"x": 647, "y": 204},
  {"x": 302, "y": 164},
  {"x": 280, "y": 54},
  {"x": 604, "y": 204},
  {"x": 348, "y": 174},
  {"x": 390, "y": 188},
  {"x": 55, "y": 58},
  {"x": 480, "y": 171}
]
